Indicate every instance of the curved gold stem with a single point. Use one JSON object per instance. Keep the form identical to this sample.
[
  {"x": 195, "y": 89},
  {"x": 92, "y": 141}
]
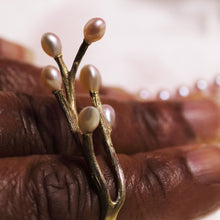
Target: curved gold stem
[
  {"x": 110, "y": 151},
  {"x": 96, "y": 174},
  {"x": 81, "y": 52},
  {"x": 64, "y": 72},
  {"x": 69, "y": 85},
  {"x": 109, "y": 209},
  {"x": 70, "y": 115},
  {"x": 69, "y": 76}
]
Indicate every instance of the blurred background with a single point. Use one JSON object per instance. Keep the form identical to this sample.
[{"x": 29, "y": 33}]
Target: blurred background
[{"x": 149, "y": 44}]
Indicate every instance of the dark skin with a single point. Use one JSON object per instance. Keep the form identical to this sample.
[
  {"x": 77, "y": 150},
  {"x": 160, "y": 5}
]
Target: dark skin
[{"x": 44, "y": 176}]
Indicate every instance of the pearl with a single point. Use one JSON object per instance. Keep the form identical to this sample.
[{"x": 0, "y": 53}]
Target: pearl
[
  {"x": 201, "y": 84},
  {"x": 88, "y": 119},
  {"x": 164, "y": 95},
  {"x": 215, "y": 85},
  {"x": 217, "y": 80},
  {"x": 90, "y": 78},
  {"x": 144, "y": 94},
  {"x": 51, "y": 78},
  {"x": 183, "y": 91},
  {"x": 94, "y": 30},
  {"x": 51, "y": 44},
  {"x": 109, "y": 113}
]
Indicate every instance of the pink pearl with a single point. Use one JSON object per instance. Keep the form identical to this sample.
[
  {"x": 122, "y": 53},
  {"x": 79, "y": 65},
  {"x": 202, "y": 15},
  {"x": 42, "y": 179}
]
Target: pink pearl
[
  {"x": 51, "y": 78},
  {"x": 90, "y": 78},
  {"x": 109, "y": 113},
  {"x": 51, "y": 44},
  {"x": 94, "y": 30},
  {"x": 89, "y": 119}
]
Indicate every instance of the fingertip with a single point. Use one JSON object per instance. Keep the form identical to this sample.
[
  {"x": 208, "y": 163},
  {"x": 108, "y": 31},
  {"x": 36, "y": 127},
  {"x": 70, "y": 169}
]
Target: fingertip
[{"x": 204, "y": 164}]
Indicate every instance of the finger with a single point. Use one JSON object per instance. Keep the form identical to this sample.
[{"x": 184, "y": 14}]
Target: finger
[
  {"x": 170, "y": 184},
  {"x": 33, "y": 126},
  {"x": 18, "y": 76},
  {"x": 15, "y": 51},
  {"x": 155, "y": 125},
  {"x": 177, "y": 183},
  {"x": 22, "y": 77},
  {"x": 25, "y": 78},
  {"x": 150, "y": 125},
  {"x": 36, "y": 125}
]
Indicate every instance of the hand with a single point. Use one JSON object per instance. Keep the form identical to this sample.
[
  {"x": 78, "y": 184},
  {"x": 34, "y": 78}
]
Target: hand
[{"x": 167, "y": 151}]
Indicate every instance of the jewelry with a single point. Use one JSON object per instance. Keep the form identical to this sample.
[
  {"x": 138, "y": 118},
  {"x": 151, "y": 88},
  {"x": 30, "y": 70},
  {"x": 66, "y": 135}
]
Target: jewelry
[{"x": 82, "y": 125}]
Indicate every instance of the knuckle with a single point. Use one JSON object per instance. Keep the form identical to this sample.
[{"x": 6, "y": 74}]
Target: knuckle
[
  {"x": 162, "y": 124},
  {"x": 163, "y": 175},
  {"x": 61, "y": 190}
]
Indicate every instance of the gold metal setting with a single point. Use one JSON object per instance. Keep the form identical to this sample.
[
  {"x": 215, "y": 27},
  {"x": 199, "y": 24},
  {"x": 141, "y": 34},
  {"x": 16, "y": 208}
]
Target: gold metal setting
[{"x": 67, "y": 101}]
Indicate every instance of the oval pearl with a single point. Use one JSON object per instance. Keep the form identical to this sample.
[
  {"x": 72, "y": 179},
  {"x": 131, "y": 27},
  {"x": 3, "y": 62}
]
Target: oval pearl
[
  {"x": 109, "y": 113},
  {"x": 88, "y": 119},
  {"x": 94, "y": 30},
  {"x": 51, "y": 44},
  {"x": 90, "y": 78},
  {"x": 51, "y": 78}
]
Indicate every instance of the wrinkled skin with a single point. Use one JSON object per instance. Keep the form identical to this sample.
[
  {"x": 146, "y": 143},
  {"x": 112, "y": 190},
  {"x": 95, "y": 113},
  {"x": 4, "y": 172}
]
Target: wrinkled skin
[{"x": 43, "y": 175}]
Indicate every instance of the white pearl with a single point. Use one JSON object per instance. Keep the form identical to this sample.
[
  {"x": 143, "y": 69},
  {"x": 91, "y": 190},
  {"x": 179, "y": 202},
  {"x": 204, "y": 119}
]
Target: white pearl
[
  {"x": 183, "y": 91},
  {"x": 51, "y": 44},
  {"x": 51, "y": 78},
  {"x": 201, "y": 84},
  {"x": 109, "y": 113},
  {"x": 94, "y": 30},
  {"x": 217, "y": 80},
  {"x": 89, "y": 119},
  {"x": 144, "y": 94},
  {"x": 90, "y": 78},
  {"x": 164, "y": 95}
]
